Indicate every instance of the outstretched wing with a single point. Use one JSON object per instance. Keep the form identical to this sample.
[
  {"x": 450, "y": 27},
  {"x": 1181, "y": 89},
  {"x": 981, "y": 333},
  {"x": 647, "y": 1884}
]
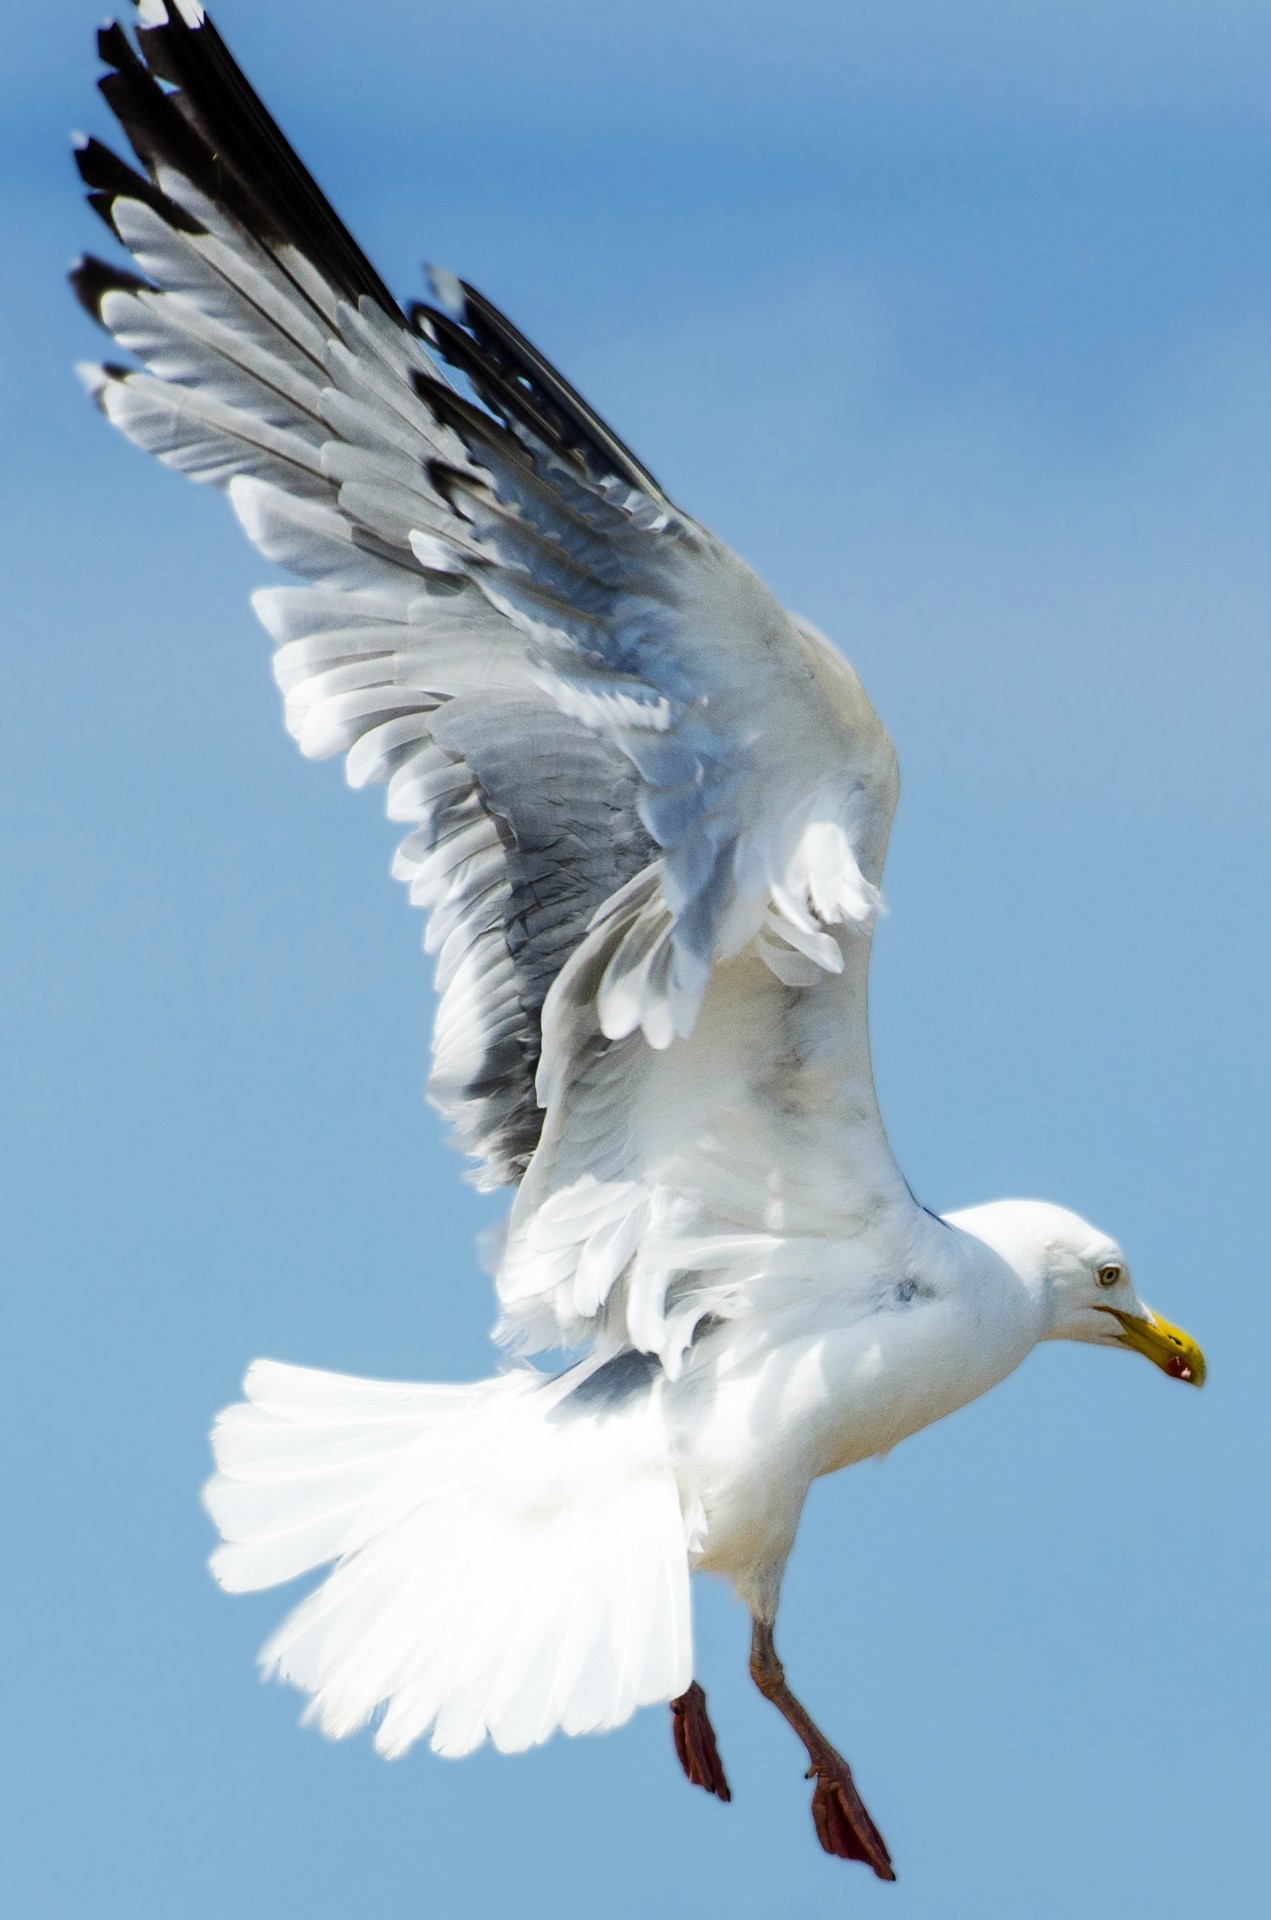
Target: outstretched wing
[{"x": 645, "y": 806}]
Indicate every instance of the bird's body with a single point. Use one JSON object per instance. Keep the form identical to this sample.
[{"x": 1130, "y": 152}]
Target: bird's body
[
  {"x": 647, "y": 813},
  {"x": 755, "y": 1424}
]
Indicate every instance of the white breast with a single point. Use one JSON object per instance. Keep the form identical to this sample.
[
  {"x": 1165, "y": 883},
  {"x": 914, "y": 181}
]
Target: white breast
[{"x": 754, "y": 1429}]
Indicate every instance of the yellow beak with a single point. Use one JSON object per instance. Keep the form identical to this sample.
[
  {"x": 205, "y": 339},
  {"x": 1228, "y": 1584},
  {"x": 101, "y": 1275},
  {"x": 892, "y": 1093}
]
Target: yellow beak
[{"x": 1167, "y": 1347}]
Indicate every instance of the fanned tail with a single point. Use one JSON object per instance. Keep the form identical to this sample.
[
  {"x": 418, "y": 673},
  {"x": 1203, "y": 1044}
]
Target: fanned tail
[{"x": 508, "y": 1562}]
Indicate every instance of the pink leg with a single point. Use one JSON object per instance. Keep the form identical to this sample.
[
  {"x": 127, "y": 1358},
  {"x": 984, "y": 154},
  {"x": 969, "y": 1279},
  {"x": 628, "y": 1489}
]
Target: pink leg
[{"x": 843, "y": 1825}]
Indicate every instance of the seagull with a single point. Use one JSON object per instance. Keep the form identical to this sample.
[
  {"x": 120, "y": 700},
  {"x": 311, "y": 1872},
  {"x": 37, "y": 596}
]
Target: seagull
[{"x": 646, "y": 812}]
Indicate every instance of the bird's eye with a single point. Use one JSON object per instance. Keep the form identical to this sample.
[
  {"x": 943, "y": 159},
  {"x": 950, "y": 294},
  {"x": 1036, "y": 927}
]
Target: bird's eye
[{"x": 1109, "y": 1275}]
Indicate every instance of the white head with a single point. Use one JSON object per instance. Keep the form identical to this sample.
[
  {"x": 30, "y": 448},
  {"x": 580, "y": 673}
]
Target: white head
[{"x": 1081, "y": 1281}]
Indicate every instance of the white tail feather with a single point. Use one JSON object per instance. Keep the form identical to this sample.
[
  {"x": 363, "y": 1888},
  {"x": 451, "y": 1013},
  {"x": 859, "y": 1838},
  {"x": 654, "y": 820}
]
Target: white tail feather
[{"x": 506, "y": 1565}]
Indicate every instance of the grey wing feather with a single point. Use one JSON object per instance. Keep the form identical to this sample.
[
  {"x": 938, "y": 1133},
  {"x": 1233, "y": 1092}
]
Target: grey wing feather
[
  {"x": 646, "y": 810},
  {"x": 277, "y": 365}
]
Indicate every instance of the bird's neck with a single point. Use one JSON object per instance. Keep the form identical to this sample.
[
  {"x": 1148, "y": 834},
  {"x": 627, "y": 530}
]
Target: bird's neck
[{"x": 1007, "y": 1276}]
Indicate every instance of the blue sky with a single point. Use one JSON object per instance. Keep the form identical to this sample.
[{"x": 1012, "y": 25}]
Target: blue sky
[{"x": 952, "y": 318}]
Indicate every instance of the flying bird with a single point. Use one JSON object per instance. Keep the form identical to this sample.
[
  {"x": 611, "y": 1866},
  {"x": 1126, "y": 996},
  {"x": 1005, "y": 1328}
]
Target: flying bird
[{"x": 646, "y": 812}]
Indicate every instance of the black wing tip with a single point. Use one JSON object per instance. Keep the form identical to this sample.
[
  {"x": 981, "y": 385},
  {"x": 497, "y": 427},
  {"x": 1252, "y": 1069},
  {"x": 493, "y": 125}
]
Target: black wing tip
[
  {"x": 497, "y": 381},
  {"x": 517, "y": 383},
  {"x": 497, "y": 333},
  {"x": 187, "y": 110},
  {"x": 152, "y": 17},
  {"x": 183, "y": 102},
  {"x": 92, "y": 279},
  {"x": 108, "y": 178},
  {"x": 95, "y": 376},
  {"x": 113, "y": 46},
  {"x": 183, "y": 16}
]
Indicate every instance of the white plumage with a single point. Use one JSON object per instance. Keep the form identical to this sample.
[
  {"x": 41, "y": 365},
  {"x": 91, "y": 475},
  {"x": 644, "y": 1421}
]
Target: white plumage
[
  {"x": 501, "y": 1572},
  {"x": 646, "y": 812}
]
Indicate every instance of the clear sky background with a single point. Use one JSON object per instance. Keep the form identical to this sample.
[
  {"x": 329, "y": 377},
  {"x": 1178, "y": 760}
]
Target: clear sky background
[{"x": 951, "y": 316}]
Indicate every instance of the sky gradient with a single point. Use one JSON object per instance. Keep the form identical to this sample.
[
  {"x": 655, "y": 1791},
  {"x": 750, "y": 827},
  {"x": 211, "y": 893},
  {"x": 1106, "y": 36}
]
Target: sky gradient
[{"x": 952, "y": 319}]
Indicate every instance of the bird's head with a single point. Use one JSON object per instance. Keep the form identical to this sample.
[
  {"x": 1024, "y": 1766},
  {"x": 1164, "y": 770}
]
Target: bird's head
[{"x": 1082, "y": 1281}]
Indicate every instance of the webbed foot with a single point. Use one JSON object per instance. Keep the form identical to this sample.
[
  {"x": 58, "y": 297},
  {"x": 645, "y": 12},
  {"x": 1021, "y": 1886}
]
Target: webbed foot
[
  {"x": 695, "y": 1743},
  {"x": 842, "y": 1821}
]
